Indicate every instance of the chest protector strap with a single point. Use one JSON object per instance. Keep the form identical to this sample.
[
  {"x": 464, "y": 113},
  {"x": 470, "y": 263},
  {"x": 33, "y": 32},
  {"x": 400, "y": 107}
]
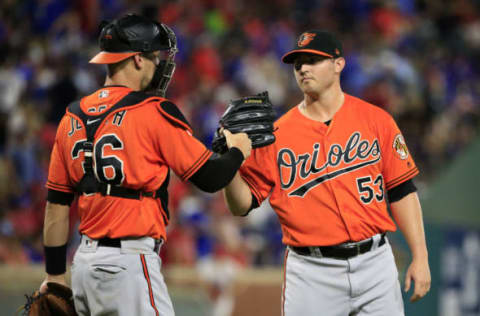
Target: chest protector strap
[{"x": 89, "y": 183}]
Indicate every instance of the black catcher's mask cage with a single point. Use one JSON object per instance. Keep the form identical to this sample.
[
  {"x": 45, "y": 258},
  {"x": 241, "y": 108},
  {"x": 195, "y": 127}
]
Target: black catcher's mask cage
[{"x": 165, "y": 69}]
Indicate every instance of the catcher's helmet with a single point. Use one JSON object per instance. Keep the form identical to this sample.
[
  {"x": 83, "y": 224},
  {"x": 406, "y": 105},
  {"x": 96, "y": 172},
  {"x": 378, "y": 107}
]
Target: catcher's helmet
[
  {"x": 131, "y": 35},
  {"x": 134, "y": 34}
]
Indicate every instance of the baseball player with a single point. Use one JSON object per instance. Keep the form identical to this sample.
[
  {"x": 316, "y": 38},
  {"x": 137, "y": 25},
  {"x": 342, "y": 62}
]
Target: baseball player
[
  {"x": 114, "y": 149},
  {"x": 336, "y": 164}
]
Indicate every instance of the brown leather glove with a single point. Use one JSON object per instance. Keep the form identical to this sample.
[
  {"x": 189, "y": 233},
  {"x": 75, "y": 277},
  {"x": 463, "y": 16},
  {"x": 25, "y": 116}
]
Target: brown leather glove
[{"x": 56, "y": 301}]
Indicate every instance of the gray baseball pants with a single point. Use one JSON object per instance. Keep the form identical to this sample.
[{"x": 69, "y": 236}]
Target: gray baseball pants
[
  {"x": 121, "y": 281},
  {"x": 365, "y": 285}
]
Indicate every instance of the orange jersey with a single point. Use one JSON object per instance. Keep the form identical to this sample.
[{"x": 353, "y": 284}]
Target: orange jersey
[
  {"x": 328, "y": 184},
  {"x": 134, "y": 146}
]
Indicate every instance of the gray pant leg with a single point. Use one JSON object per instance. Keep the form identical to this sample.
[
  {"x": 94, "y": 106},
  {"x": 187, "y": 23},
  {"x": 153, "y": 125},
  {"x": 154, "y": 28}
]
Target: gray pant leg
[
  {"x": 114, "y": 281},
  {"x": 79, "y": 295},
  {"x": 364, "y": 285},
  {"x": 161, "y": 297},
  {"x": 375, "y": 286},
  {"x": 312, "y": 287}
]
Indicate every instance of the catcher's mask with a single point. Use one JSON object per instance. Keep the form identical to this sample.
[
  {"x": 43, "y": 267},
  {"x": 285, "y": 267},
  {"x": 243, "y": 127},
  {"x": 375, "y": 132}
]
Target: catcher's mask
[{"x": 134, "y": 34}]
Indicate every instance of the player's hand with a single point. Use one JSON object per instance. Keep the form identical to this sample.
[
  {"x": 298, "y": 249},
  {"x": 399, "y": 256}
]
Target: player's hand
[
  {"x": 419, "y": 273},
  {"x": 239, "y": 140},
  {"x": 53, "y": 278}
]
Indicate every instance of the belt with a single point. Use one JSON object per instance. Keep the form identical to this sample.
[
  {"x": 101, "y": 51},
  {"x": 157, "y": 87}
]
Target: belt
[
  {"x": 110, "y": 242},
  {"x": 343, "y": 251},
  {"x": 116, "y": 243}
]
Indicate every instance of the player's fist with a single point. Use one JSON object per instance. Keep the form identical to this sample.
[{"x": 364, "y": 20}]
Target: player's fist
[{"x": 239, "y": 140}]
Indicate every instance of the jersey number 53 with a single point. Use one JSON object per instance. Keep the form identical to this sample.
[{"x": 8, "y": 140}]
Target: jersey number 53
[{"x": 370, "y": 190}]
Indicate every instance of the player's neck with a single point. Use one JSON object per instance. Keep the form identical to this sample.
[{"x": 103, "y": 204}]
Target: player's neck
[
  {"x": 122, "y": 78},
  {"x": 322, "y": 107}
]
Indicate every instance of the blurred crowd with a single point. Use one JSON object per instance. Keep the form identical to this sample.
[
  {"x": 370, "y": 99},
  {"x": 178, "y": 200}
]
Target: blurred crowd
[{"x": 419, "y": 60}]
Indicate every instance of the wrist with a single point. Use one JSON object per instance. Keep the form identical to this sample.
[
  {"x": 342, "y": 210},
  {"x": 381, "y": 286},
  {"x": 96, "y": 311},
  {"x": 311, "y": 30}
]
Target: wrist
[
  {"x": 56, "y": 260},
  {"x": 420, "y": 254},
  {"x": 59, "y": 278},
  {"x": 237, "y": 152}
]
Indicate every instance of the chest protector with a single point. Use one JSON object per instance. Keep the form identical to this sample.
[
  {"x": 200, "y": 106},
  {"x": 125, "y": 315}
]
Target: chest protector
[{"x": 89, "y": 184}]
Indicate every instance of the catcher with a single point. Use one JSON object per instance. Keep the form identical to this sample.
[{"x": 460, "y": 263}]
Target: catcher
[{"x": 114, "y": 151}]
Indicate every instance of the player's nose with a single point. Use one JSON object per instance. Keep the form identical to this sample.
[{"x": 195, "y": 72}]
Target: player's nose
[{"x": 304, "y": 68}]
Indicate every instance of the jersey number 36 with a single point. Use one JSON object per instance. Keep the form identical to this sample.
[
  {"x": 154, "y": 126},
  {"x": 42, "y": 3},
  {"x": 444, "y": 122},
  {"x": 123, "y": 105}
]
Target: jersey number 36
[{"x": 101, "y": 162}]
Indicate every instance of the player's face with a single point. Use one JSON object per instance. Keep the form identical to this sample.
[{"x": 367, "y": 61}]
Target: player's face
[{"x": 314, "y": 73}]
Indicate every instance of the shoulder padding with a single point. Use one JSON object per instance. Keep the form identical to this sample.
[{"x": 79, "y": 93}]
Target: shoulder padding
[
  {"x": 134, "y": 98},
  {"x": 74, "y": 108},
  {"x": 173, "y": 114},
  {"x": 131, "y": 99}
]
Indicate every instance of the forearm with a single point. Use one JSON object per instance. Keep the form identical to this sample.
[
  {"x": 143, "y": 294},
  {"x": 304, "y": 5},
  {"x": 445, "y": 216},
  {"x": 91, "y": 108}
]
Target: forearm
[
  {"x": 218, "y": 171},
  {"x": 55, "y": 229},
  {"x": 237, "y": 196},
  {"x": 407, "y": 213},
  {"x": 55, "y": 237}
]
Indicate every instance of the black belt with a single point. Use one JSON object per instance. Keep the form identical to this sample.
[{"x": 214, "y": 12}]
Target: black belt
[
  {"x": 343, "y": 251},
  {"x": 116, "y": 243},
  {"x": 109, "y": 242}
]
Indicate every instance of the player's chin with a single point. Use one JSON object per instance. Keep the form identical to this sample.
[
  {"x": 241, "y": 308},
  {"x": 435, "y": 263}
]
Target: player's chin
[{"x": 307, "y": 88}]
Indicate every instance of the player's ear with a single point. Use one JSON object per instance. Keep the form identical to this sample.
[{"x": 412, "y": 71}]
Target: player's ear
[
  {"x": 339, "y": 64},
  {"x": 138, "y": 61}
]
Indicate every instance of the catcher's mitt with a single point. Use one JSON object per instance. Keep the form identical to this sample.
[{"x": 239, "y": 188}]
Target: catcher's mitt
[
  {"x": 57, "y": 301},
  {"x": 253, "y": 115}
]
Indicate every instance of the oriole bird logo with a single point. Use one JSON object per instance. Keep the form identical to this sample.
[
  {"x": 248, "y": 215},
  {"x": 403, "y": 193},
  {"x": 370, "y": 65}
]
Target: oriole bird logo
[
  {"x": 400, "y": 147},
  {"x": 305, "y": 39}
]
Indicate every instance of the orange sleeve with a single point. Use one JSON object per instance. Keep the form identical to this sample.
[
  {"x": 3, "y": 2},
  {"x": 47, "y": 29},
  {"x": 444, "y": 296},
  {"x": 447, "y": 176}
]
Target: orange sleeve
[
  {"x": 180, "y": 149},
  {"x": 398, "y": 164},
  {"x": 58, "y": 177},
  {"x": 258, "y": 171}
]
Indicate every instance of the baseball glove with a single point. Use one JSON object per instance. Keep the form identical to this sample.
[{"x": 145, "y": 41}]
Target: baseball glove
[
  {"x": 56, "y": 301},
  {"x": 253, "y": 115}
]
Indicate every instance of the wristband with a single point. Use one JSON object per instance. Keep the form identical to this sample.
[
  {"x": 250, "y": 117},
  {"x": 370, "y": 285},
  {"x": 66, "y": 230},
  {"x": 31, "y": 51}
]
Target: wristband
[{"x": 55, "y": 259}]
